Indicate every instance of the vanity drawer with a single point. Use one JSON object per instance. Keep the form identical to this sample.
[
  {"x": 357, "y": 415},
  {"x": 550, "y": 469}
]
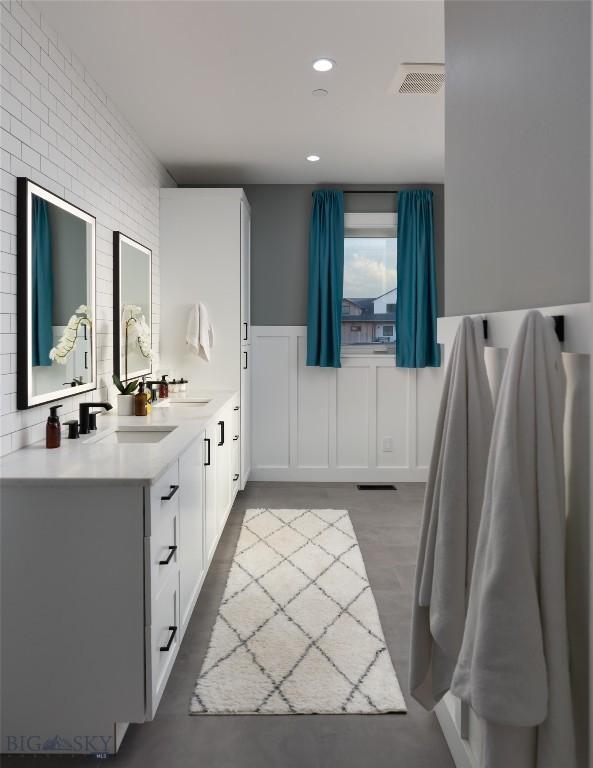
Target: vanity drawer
[
  {"x": 164, "y": 499},
  {"x": 162, "y": 641},
  {"x": 162, "y": 557}
]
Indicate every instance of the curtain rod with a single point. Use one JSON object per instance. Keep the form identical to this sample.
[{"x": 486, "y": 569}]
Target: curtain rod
[
  {"x": 367, "y": 191},
  {"x": 371, "y": 191}
]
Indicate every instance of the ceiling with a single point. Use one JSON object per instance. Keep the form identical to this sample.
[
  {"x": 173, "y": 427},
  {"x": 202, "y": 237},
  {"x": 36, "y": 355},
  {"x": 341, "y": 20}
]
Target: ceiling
[{"x": 222, "y": 91}]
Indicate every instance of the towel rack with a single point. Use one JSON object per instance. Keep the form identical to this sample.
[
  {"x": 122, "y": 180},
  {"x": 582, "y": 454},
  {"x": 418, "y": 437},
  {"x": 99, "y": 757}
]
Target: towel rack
[{"x": 558, "y": 326}]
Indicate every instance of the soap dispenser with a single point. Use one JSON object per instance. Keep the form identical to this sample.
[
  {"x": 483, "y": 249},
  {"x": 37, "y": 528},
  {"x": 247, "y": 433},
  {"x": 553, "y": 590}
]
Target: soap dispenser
[
  {"x": 140, "y": 401},
  {"x": 53, "y": 430}
]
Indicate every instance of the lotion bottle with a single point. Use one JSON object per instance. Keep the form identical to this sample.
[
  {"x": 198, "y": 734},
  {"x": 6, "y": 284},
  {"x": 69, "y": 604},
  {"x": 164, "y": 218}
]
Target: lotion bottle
[
  {"x": 53, "y": 429},
  {"x": 164, "y": 387},
  {"x": 140, "y": 402}
]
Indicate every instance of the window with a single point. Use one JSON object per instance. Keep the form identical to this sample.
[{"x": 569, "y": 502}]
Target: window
[{"x": 370, "y": 250}]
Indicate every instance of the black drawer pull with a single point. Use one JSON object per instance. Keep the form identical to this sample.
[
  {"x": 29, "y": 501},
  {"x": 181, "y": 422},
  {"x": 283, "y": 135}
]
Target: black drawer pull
[
  {"x": 235, "y": 478},
  {"x": 167, "y": 560},
  {"x": 173, "y": 631},
  {"x": 172, "y": 492},
  {"x": 236, "y": 437},
  {"x": 221, "y": 425},
  {"x": 207, "y": 462},
  {"x": 236, "y": 408},
  {"x": 246, "y": 358},
  {"x": 245, "y": 337}
]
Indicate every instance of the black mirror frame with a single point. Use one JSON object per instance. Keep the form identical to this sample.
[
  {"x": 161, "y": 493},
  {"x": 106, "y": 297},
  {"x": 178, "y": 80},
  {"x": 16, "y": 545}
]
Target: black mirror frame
[
  {"x": 118, "y": 237},
  {"x": 25, "y": 398}
]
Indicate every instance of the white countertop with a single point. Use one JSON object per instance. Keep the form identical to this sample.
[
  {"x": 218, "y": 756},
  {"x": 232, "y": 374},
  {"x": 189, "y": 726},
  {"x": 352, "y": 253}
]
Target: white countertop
[{"x": 88, "y": 460}]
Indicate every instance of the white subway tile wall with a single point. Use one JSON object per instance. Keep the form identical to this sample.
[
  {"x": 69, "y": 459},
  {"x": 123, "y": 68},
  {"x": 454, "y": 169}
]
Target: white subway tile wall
[{"x": 61, "y": 130}]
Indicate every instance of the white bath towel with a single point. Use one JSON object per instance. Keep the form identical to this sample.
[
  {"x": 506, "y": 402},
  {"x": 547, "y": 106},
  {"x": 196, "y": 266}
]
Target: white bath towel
[
  {"x": 452, "y": 508},
  {"x": 513, "y": 666},
  {"x": 199, "y": 335}
]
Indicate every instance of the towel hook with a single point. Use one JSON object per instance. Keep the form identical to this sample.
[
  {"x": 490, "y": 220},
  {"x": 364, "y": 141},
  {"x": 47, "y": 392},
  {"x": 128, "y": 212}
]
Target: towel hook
[{"x": 558, "y": 326}]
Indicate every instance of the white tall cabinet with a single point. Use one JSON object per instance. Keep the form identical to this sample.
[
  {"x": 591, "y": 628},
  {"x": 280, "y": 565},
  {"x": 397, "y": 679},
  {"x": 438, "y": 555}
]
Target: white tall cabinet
[{"x": 205, "y": 244}]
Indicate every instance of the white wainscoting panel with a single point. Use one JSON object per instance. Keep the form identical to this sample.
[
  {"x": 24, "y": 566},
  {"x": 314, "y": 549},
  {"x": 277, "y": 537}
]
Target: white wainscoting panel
[
  {"x": 352, "y": 417},
  {"x": 392, "y": 417},
  {"x": 271, "y": 415},
  {"x": 428, "y": 394},
  {"x": 314, "y": 394},
  {"x": 368, "y": 421}
]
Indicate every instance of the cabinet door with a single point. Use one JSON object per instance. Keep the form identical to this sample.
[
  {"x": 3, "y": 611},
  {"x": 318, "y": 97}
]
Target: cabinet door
[
  {"x": 223, "y": 468},
  {"x": 191, "y": 525},
  {"x": 236, "y": 450},
  {"x": 210, "y": 517},
  {"x": 245, "y": 274},
  {"x": 245, "y": 415},
  {"x": 162, "y": 642}
]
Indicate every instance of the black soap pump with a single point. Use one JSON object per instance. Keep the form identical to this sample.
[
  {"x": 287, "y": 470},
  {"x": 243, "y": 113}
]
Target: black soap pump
[{"x": 53, "y": 430}]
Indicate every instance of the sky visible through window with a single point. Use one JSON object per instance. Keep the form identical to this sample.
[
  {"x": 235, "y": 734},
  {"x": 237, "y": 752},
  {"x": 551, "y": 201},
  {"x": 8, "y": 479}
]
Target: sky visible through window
[{"x": 369, "y": 266}]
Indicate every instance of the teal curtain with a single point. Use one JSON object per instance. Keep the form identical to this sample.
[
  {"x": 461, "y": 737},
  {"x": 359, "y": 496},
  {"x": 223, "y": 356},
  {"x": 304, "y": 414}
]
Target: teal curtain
[
  {"x": 42, "y": 284},
  {"x": 416, "y": 309},
  {"x": 326, "y": 279}
]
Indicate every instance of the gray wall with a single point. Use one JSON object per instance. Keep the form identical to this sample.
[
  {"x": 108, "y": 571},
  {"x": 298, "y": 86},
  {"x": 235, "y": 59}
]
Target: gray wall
[
  {"x": 517, "y": 114},
  {"x": 279, "y": 246}
]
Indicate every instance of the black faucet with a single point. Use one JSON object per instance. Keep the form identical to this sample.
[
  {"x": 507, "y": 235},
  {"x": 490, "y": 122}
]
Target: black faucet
[{"x": 83, "y": 416}]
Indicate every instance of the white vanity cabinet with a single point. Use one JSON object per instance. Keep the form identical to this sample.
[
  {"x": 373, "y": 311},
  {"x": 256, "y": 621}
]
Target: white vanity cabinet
[
  {"x": 226, "y": 469},
  {"x": 210, "y": 490},
  {"x": 245, "y": 421},
  {"x": 98, "y": 583},
  {"x": 223, "y": 468},
  {"x": 192, "y": 553}
]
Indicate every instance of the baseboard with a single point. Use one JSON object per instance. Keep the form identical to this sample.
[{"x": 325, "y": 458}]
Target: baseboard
[
  {"x": 339, "y": 475},
  {"x": 458, "y": 747}
]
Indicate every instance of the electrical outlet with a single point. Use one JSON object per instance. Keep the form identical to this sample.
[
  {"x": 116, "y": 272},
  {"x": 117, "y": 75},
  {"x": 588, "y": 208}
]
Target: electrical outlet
[{"x": 388, "y": 444}]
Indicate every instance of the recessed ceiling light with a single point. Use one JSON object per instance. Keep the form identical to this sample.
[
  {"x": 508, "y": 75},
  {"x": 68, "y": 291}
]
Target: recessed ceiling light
[
  {"x": 323, "y": 65},
  {"x": 313, "y": 158}
]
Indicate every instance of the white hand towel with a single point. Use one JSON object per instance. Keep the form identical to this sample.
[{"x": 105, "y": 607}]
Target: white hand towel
[
  {"x": 199, "y": 334},
  {"x": 513, "y": 666},
  {"x": 451, "y": 517},
  {"x": 192, "y": 333},
  {"x": 206, "y": 333}
]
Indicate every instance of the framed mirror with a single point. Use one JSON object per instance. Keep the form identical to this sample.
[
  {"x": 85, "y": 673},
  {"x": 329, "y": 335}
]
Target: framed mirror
[
  {"x": 56, "y": 340},
  {"x": 132, "y": 308}
]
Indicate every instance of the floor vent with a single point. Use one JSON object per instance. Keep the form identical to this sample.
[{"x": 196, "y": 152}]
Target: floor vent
[{"x": 376, "y": 487}]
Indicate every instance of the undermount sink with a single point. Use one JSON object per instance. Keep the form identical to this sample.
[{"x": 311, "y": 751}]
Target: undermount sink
[
  {"x": 135, "y": 435},
  {"x": 195, "y": 402}
]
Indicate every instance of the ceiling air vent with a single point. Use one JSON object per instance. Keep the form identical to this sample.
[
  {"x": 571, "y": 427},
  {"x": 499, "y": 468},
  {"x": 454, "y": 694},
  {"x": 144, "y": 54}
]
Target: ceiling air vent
[{"x": 419, "y": 78}]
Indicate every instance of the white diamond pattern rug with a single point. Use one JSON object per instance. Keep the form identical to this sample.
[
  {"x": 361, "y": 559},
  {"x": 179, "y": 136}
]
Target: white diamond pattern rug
[{"x": 297, "y": 631}]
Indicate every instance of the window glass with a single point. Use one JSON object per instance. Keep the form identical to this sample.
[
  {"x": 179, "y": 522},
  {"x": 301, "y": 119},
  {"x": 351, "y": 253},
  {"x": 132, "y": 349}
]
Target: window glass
[{"x": 370, "y": 281}]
